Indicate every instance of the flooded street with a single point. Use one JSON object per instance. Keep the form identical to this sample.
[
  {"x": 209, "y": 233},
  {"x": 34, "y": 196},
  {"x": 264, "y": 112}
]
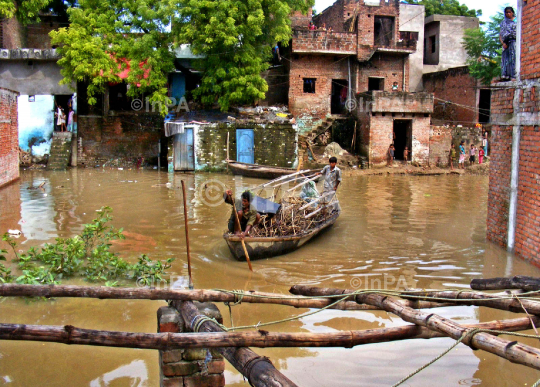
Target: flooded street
[{"x": 422, "y": 232}]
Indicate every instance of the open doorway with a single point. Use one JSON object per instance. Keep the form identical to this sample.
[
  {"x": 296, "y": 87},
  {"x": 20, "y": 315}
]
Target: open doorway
[
  {"x": 339, "y": 96},
  {"x": 402, "y": 138},
  {"x": 484, "y": 106},
  {"x": 63, "y": 102}
]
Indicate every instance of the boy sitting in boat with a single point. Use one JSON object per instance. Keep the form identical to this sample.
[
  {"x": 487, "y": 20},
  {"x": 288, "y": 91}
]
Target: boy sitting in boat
[{"x": 247, "y": 213}]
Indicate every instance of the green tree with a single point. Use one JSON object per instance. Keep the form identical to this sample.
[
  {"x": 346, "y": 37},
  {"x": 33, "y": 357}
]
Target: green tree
[
  {"x": 484, "y": 50},
  {"x": 106, "y": 37},
  {"x": 236, "y": 38},
  {"x": 446, "y": 7},
  {"x": 26, "y": 11}
]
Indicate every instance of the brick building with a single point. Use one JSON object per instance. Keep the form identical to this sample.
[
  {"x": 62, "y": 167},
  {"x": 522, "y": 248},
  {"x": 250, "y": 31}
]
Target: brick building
[
  {"x": 9, "y": 149},
  {"x": 514, "y": 187}
]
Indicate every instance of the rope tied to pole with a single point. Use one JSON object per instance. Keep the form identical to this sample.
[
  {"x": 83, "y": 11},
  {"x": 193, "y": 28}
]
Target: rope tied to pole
[
  {"x": 202, "y": 319},
  {"x": 238, "y": 297},
  {"x": 466, "y": 335}
]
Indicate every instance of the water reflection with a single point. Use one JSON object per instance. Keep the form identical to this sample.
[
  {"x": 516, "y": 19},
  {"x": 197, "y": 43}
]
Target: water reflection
[{"x": 394, "y": 231}]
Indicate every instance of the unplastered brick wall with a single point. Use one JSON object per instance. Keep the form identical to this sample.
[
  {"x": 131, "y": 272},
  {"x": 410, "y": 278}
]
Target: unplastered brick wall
[
  {"x": 126, "y": 136},
  {"x": 528, "y": 206},
  {"x": 439, "y": 145},
  {"x": 455, "y": 95},
  {"x": 530, "y": 25},
  {"x": 12, "y": 34},
  {"x": 37, "y": 35},
  {"x": 300, "y": 20},
  {"x": 499, "y": 184},
  {"x": 304, "y": 40},
  {"x": 323, "y": 69},
  {"x": 381, "y": 128},
  {"x": 388, "y": 67},
  {"x": 332, "y": 17},
  {"x": 9, "y": 139}
]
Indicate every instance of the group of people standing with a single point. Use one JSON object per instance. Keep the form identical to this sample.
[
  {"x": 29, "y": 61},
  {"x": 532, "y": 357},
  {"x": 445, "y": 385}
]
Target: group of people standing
[
  {"x": 472, "y": 152},
  {"x": 391, "y": 155},
  {"x": 61, "y": 119}
]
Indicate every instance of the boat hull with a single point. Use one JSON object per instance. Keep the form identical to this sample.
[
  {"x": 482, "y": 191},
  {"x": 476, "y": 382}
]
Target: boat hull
[
  {"x": 259, "y": 171},
  {"x": 259, "y": 248}
]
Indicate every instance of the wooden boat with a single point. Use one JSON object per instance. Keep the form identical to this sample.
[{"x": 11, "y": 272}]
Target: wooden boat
[
  {"x": 267, "y": 247},
  {"x": 258, "y": 171}
]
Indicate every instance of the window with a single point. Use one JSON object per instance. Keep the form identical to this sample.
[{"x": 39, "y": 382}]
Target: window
[
  {"x": 383, "y": 30},
  {"x": 375, "y": 84},
  {"x": 309, "y": 85}
]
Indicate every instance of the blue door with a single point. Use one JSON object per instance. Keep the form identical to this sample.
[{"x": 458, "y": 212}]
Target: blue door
[
  {"x": 184, "y": 157},
  {"x": 245, "y": 146}
]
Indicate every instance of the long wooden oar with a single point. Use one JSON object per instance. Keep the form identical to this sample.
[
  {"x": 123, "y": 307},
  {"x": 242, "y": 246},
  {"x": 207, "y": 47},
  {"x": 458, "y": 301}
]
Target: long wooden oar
[
  {"x": 187, "y": 236},
  {"x": 242, "y": 239}
]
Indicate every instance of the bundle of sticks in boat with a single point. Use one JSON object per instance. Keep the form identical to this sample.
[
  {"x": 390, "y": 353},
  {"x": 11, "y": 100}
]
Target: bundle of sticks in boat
[{"x": 296, "y": 216}]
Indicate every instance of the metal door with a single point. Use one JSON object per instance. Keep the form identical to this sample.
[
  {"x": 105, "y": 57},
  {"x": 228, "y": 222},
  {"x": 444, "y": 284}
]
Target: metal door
[
  {"x": 245, "y": 148},
  {"x": 184, "y": 157}
]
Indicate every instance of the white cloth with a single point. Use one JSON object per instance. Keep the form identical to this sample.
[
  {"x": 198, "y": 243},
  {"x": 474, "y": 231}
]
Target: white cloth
[{"x": 172, "y": 128}]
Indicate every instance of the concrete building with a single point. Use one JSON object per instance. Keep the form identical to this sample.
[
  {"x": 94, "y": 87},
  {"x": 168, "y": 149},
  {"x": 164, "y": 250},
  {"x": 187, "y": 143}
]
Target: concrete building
[
  {"x": 411, "y": 18},
  {"x": 514, "y": 186},
  {"x": 28, "y": 66},
  {"x": 443, "y": 37}
]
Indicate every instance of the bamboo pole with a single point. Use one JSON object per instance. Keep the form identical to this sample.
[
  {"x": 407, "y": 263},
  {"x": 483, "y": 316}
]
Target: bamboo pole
[
  {"x": 317, "y": 200},
  {"x": 260, "y": 339},
  {"x": 510, "y": 350},
  {"x": 303, "y": 183},
  {"x": 258, "y": 370},
  {"x": 285, "y": 177},
  {"x": 242, "y": 239},
  {"x": 516, "y": 282},
  {"x": 187, "y": 235},
  {"x": 201, "y": 295}
]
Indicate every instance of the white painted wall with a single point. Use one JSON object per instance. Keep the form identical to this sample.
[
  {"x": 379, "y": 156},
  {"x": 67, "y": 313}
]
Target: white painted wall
[{"x": 36, "y": 120}]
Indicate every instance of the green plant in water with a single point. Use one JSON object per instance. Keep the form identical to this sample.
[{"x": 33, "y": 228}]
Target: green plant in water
[{"x": 87, "y": 255}]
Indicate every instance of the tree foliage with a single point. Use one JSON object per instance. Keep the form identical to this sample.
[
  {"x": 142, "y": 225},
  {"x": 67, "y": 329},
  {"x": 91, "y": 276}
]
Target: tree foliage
[
  {"x": 484, "y": 50},
  {"x": 446, "y": 7},
  {"x": 26, "y": 11},
  {"x": 236, "y": 38},
  {"x": 106, "y": 37}
]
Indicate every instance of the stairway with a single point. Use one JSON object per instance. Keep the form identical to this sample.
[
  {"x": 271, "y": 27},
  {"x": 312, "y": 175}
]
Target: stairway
[{"x": 60, "y": 154}]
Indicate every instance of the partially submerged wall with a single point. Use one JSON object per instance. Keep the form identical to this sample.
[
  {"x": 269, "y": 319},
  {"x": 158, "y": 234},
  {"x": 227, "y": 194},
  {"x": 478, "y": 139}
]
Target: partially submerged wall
[
  {"x": 275, "y": 144},
  {"x": 9, "y": 149},
  {"x": 125, "y": 137}
]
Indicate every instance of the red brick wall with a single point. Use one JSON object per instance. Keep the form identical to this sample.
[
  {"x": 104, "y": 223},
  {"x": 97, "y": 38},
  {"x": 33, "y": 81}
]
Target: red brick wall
[
  {"x": 530, "y": 25},
  {"x": 332, "y": 17},
  {"x": 439, "y": 145},
  {"x": 12, "y": 34},
  {"x": 323, "y": 69},
  {"x": 125, "y": 137},
  {"x": 457, "y": 86},
  {"x": 37, "y": 35},
  {"x": 9, "y": 137},
  {"x": 323, "y": 41},
  {"x": 389, "y": 67},
  {"x": 300, "y": 20},
  {"x": 499, "y": 184},
  {"x": 527, "y": 242}
]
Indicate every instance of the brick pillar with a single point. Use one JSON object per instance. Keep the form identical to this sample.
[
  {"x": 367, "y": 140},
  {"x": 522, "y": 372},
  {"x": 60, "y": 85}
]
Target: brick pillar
[{"x": 198, "y": 367}]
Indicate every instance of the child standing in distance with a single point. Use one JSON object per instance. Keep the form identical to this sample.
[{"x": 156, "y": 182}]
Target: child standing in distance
[
  {"x": 452, "y": 156},
  {"x": 462, "y": 155},
  {"x": 481, "y": 155},
  {"x": 472, "y": 153},
  {"x": 390, "y": 156},
  {"x": 405, "y": 155}
]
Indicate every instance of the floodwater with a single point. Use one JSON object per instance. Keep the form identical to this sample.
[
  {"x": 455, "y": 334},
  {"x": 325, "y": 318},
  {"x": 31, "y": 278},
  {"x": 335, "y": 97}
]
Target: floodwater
[{"x": 423, "y": 232}]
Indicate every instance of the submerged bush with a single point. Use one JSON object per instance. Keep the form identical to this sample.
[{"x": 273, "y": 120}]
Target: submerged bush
[{"x": 87, "y": 255}]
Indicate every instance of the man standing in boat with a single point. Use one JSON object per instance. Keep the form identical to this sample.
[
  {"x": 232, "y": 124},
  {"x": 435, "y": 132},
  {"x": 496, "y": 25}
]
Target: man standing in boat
[
  {"x": 247, "y": 213},
  {"x": 332, "y": 176}
]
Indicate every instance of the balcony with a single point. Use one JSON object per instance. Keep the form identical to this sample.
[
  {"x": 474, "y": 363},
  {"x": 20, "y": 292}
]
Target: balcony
[{"x": 320, "y": 41}]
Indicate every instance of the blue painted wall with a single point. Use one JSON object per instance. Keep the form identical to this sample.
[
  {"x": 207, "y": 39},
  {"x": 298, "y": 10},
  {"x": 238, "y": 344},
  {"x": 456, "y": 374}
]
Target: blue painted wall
[{"x": 36, "y": 120}]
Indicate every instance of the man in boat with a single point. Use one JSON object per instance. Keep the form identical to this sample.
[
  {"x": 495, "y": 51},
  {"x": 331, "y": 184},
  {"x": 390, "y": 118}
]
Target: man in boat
[
  {"x": 332, "y": 176},
  {"x": 247, "y": 213}
]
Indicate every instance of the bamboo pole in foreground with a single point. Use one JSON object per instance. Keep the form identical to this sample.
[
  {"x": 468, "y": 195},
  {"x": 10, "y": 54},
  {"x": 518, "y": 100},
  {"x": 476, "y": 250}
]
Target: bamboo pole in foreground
[
  {"x": 516, "y": 282},
  {"x": 261, "y": 339},
  {"x": 201, "y": 295},
  {"x": 510, "y": 350},
  {"x": 258, "y": 370}
]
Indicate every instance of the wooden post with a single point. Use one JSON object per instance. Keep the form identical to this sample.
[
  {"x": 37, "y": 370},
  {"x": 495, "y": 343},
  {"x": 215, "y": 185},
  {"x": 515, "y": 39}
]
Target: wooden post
[
  {"x": 187, "y": 235},
  {"x": 258, "y": 370},
  {"x": 240, "y": 229}
]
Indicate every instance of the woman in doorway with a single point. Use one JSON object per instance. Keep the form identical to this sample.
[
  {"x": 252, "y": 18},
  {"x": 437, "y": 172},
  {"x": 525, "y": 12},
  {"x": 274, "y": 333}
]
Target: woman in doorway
[{"x": 507, "y": 38}]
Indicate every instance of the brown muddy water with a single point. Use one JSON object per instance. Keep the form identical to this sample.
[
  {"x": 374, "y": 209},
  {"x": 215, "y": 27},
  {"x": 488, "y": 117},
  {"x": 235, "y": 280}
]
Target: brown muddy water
[{"x": 423, "y": 232}]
